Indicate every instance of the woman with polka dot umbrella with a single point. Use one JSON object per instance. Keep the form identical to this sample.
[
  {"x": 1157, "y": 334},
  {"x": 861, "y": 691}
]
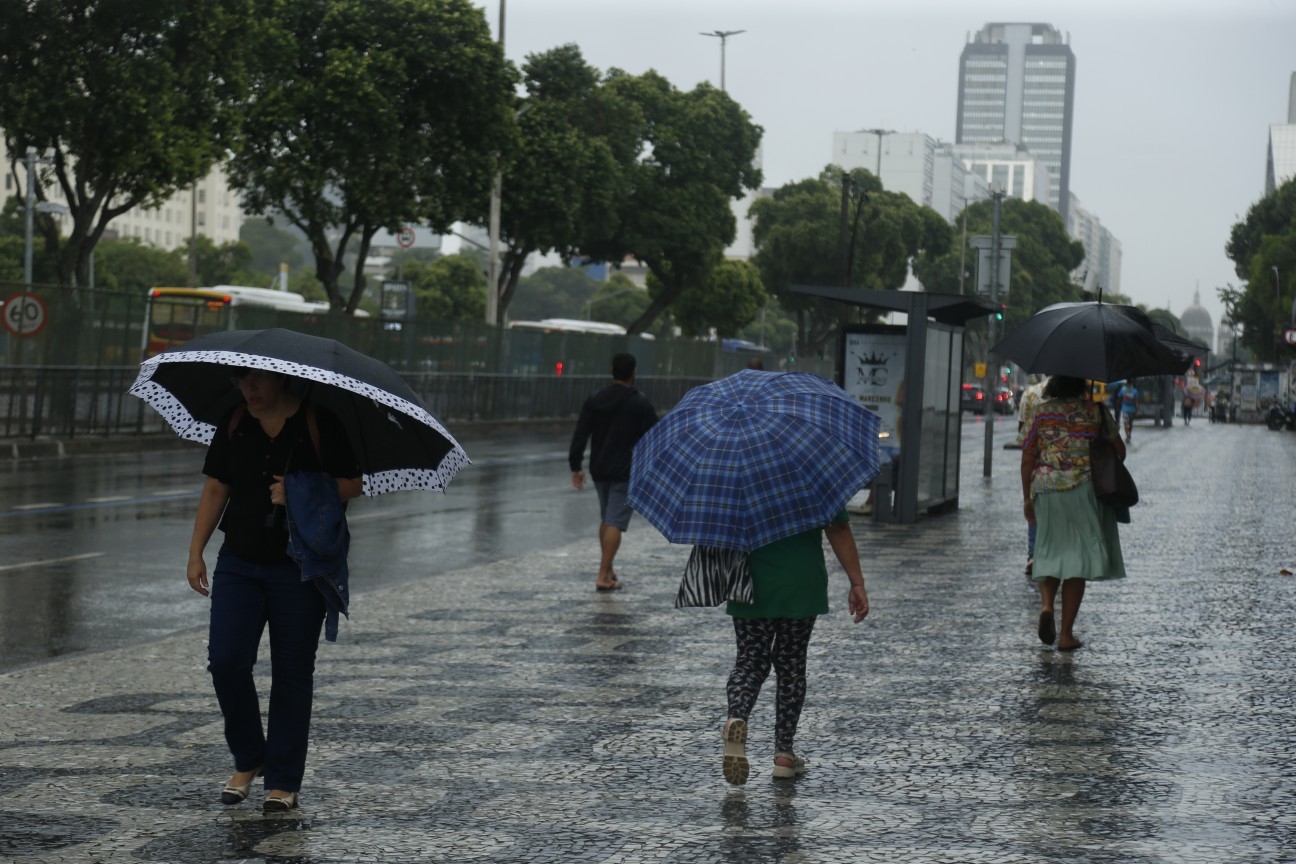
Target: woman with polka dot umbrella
[{"x": 397, "y": 442}]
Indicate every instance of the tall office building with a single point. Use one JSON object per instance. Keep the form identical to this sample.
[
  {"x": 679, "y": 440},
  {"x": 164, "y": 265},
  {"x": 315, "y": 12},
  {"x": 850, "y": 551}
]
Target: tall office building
[
  {"x": 1281, "y": 163},
  {"x": 1017, "y": 86}
]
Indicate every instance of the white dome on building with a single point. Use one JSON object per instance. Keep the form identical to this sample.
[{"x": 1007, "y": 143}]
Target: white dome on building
[{"x": 1197, "y": 322}]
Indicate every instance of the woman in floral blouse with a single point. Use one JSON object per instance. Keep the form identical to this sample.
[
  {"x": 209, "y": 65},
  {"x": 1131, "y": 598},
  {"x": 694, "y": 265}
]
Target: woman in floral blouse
[{"x": 1078, "y": 539}]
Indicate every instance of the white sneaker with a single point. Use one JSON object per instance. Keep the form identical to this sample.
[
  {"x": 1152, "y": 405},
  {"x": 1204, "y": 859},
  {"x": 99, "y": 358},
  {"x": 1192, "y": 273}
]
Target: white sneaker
[
  {"x": 736, "y": 767},
  {"x": 788, "y": 765}
]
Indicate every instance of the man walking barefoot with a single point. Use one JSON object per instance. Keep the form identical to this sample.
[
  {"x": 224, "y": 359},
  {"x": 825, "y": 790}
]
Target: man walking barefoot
[{"x": 615, "y": 418}]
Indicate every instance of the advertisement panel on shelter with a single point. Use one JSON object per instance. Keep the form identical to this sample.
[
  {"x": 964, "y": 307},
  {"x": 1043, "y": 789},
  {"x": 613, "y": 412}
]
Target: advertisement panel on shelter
[{"x": 874, "y": 371}]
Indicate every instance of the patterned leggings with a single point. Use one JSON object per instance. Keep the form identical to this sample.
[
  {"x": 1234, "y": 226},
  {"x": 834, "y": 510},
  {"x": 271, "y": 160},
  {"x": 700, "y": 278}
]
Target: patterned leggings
[{"x": 781, "y": 642}]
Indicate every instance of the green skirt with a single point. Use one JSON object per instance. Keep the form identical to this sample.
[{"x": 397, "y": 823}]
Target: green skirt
[{"x": 1077, "y": 538}]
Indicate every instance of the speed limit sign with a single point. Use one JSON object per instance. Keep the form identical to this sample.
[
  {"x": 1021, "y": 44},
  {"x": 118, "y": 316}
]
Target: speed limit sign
[
  {"x": 24, "y": 314},
  {"x": 406, "y": 237}
]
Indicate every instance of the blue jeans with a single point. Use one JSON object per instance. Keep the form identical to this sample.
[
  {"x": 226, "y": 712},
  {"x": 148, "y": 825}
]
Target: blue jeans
[{"x": 245, "y": 598}]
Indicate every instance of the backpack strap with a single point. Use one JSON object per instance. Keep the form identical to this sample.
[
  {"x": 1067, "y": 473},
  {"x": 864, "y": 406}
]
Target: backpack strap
[
  {"x": 236, "y": 417},
  {"x": 312, "y": 426}
]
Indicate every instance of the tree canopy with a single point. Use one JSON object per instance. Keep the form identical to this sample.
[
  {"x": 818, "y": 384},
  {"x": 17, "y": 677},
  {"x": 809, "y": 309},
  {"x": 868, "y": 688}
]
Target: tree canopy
[
  {"x": 695, "y": 153},
  {"x": 1263, "y": 250},
  {"x": 452, "y": 288},
  {"x": 564, "y": 178},
  {"x": 728, "y": 300},
  {"x": 799, "y": 240},
  {"x": 124, "y": 103},
  {"x": 1042, "y": 262},
  {"x": 372, "y": 115}
]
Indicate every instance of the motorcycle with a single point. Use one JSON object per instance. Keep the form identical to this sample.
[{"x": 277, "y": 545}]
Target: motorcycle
[{"x": 1280, "y": 416}]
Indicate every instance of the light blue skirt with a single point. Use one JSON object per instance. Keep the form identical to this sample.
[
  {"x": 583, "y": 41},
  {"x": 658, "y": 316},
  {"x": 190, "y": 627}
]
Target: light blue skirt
[{"x": 1078, "y": 538}]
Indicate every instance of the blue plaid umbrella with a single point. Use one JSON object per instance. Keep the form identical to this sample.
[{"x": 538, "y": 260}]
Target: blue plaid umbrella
[{"x": 753, "y": 458}]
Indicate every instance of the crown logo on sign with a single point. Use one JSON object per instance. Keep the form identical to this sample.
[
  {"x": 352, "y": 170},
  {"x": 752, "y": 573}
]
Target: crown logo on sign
[{"x": 874, "y": 360}]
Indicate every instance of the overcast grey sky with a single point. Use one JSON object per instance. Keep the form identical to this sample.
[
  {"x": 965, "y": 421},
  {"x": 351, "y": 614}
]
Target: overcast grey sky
[{"x": 1173, "y": 97}]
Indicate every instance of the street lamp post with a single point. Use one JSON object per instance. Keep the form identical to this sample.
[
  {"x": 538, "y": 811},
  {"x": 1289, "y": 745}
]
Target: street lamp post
[
  {"x": 1277, "y": 317},
  {"x": 879, "y": 133},
  {"x": 723, "y": 36}
]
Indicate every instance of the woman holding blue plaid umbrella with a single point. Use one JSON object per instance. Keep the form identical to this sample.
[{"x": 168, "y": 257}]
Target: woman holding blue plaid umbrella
[
  {"x": 790, "y": 582},
  {"x": 761, "y": 463}
]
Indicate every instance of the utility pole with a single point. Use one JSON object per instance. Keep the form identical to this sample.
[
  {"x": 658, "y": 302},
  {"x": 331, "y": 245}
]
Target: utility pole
[
  {"x": 492, "y": 263},
  {"x": 991, "y": 391},
  {"x": 29, "y": 212}
]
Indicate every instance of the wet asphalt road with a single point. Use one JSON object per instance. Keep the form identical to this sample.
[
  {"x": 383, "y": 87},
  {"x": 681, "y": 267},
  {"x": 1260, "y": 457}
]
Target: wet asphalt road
[{"x": 92, "y": 549}]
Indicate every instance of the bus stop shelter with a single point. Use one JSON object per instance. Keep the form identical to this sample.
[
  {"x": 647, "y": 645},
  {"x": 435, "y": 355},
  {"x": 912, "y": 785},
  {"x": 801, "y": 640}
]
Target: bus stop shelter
[{"x": 911, "y": 375}]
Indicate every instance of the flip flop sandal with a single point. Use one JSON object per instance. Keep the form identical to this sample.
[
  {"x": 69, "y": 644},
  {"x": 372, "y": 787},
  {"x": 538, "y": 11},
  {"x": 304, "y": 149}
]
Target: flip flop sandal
[{"x": 1047, "y": 630}]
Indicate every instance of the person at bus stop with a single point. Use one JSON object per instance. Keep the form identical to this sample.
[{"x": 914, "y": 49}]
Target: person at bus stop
[
  {"x": 612, "y": 421},
  {"x": 1129, "y": 396},
  {"x": 1078, "y": 540},
  {"x": 256, "y": 584}
]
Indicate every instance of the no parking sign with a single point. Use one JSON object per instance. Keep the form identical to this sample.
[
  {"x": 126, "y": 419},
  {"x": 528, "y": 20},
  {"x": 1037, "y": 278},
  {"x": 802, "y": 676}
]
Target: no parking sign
[{"x": 24, "y": 314}]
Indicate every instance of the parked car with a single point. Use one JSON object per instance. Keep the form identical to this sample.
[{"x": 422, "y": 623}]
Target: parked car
[
  {"x": 1005, "y": 403},
  {"x": 973, "y": 399}
]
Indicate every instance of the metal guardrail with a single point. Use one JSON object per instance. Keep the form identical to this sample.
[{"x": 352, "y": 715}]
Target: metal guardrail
[{"x": 89, "y": 401}]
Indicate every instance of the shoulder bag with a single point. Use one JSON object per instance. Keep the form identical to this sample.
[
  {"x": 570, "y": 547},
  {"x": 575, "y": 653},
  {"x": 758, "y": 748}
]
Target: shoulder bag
[
  {"x": 1112, "y": 482},
  {"x": 713, "y": 576}
]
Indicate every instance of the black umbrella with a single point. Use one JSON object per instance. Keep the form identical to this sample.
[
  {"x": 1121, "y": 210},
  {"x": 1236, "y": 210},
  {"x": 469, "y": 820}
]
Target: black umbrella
[
  {"x": 1099, "y": 341},
  {"x": 1184, "y": 345},
  {"x": 397, "y": 441}
]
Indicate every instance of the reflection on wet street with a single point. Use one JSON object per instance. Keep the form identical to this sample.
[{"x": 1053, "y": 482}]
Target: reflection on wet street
[{"x": 92, "y": 550}]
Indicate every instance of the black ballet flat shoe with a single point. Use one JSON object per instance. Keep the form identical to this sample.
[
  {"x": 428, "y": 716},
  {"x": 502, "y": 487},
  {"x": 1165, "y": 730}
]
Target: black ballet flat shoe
[
  {"x": 280, "y": 803},
  {"x": 232, "y": 794}
]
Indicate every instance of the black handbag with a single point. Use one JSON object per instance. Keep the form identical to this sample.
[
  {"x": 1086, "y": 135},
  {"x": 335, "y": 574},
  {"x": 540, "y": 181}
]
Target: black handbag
[{"x": 1112, "y": 482}]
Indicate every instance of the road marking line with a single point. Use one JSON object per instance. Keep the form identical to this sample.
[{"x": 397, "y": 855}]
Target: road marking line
[
  {"x": 42, "y": 506},
  {"x": 108, "y": 498},
  {"x": 82, "y": 557}
]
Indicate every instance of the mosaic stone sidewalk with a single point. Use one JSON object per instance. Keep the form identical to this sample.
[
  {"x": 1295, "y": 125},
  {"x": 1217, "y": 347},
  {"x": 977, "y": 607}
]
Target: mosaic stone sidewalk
[{"x": 511, "y": 714}]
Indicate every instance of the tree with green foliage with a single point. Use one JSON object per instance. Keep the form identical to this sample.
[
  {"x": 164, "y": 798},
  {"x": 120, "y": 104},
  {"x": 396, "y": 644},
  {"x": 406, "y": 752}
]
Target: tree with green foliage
[
  {"x": 799, "y": 241},
  {"x": 564, "y": 178},
  {"x": 1263, "y": 250},
  {"x": 620, "y": 301},
  {"x": 125, "y": 103},
  {"x": 368, "y": 116},
  {"x": 554, "y": 292},
  {"x": 1042, "y": 262},
  {"x": 226, "y": 264},
  {"x": 695, "y": 154},
  {"x": 728, "y": 300},
  {"x": 271, "y": 246},
  {"x": 450, "y": 288},
  {"x": 131, "y": 266}
]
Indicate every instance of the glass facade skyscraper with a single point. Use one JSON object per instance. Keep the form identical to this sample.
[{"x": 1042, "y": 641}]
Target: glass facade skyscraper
[{"x": 1017, "y": 86}]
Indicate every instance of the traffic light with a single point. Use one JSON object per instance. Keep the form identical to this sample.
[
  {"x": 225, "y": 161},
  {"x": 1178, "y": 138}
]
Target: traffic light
[{"x": 1000, "y": 314}]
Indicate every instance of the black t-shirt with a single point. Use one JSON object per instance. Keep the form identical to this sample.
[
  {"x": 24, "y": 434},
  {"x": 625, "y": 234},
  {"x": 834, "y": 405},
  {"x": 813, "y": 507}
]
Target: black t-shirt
[{"x": 247, "y": 462}]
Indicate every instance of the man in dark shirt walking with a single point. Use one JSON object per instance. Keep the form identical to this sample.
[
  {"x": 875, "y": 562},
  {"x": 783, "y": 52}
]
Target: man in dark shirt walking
[{"x": 615, "y": 417}]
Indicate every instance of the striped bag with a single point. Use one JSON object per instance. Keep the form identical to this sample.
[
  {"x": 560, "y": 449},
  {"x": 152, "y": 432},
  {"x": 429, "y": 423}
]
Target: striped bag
[{"x": 713, "y": 575}]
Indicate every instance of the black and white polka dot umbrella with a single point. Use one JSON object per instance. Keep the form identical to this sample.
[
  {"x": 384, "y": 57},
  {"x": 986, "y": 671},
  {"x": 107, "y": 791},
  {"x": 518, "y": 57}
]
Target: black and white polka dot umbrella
[{"x": 397, "y": 441}]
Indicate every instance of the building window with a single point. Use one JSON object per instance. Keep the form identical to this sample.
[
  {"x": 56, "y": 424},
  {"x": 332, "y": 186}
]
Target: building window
[{"x": 202, "y": 196}]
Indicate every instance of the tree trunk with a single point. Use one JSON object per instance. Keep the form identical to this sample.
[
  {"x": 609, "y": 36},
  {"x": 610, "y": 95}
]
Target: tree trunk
[
  {"x": 512, "y": 272},
  {"x": 362, "y": 255}
]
